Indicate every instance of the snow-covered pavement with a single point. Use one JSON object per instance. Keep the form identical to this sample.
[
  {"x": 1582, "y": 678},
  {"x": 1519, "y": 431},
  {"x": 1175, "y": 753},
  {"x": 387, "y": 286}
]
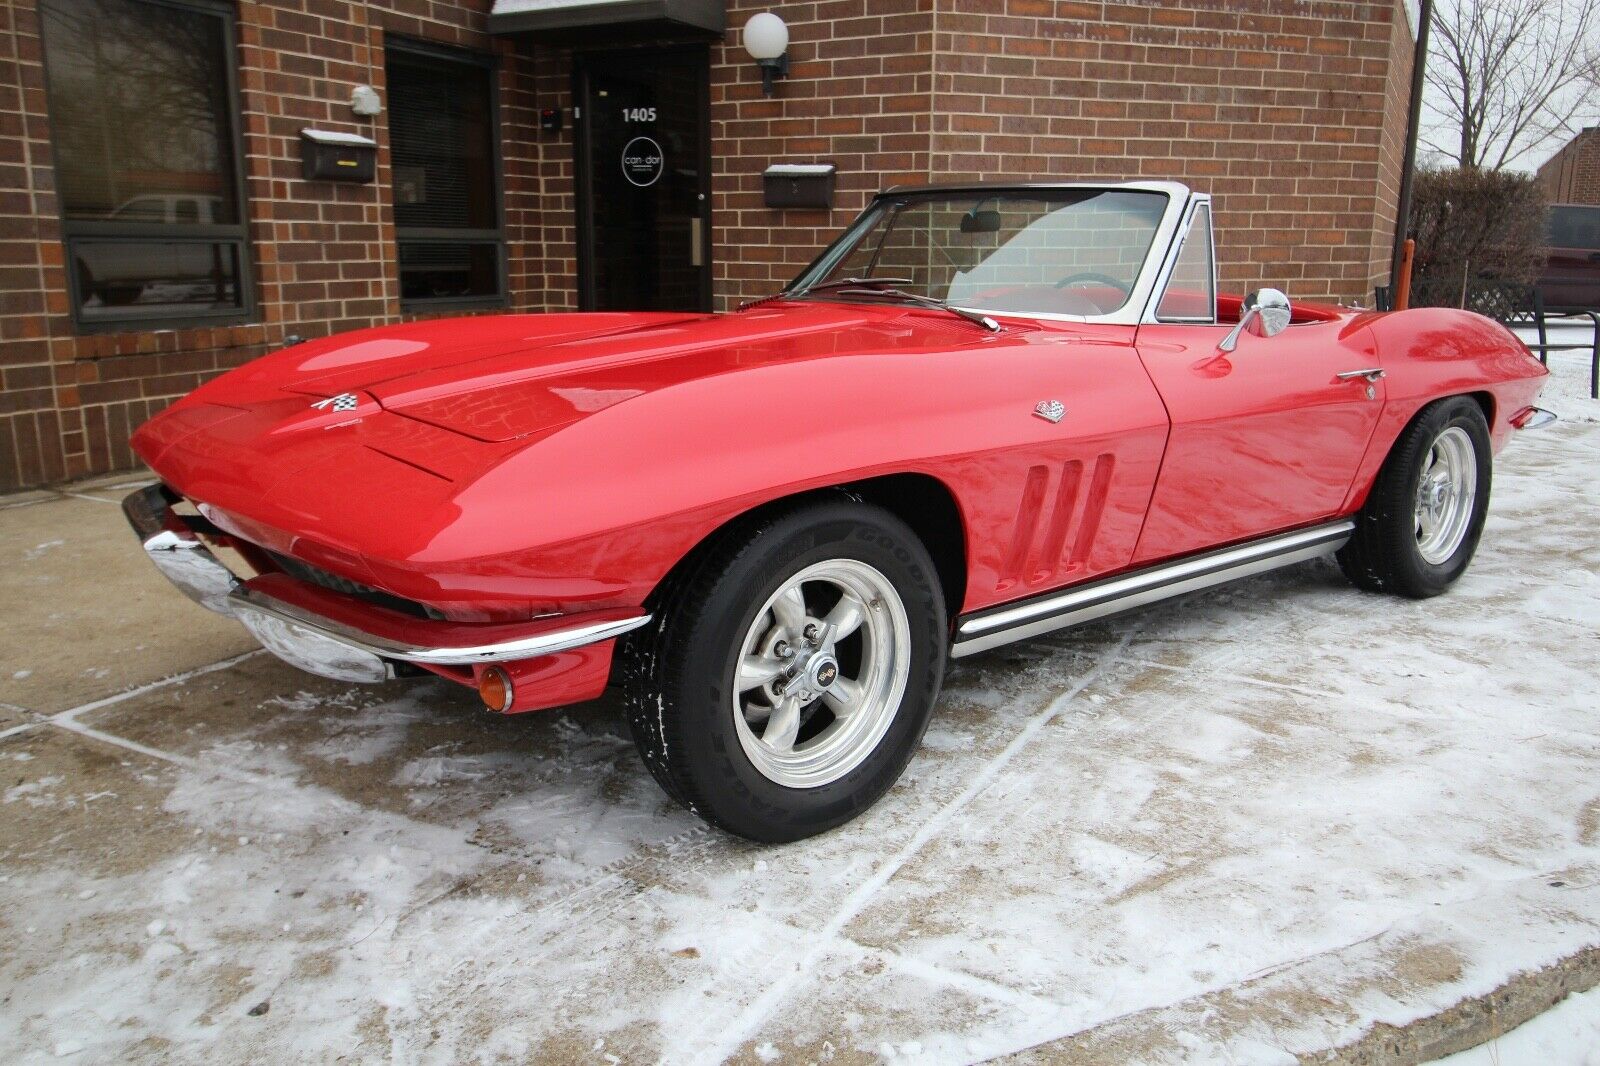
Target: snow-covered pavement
[{"x": 1243, "y": 827}]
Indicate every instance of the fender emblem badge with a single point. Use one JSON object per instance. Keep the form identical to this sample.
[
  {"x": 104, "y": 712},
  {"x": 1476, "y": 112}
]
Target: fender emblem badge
[
  {"x": 1051, "y": 411},
  {"x": 345, "y": 401}
]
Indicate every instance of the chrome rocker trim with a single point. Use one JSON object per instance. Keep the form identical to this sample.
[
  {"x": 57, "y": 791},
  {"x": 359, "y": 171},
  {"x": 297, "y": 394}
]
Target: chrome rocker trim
[
  {"x": 1058, "y": 610},
  {"x": 310, "y": 641}
]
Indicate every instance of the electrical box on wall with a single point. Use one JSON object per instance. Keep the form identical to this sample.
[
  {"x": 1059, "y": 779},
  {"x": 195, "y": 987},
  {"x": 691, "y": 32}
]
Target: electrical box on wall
[
  {"x": 328, "y": 155},
  {"x": 550, "y": 119},
  {"x": 799, "y": 184}
]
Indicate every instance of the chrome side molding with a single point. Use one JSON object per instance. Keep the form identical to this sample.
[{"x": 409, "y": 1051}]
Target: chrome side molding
[{"x": 991, "y": 628}]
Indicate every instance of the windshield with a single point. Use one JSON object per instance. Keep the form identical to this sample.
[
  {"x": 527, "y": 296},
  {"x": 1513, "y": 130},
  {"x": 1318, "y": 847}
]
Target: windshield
[{"x": 1071, "y": 252}]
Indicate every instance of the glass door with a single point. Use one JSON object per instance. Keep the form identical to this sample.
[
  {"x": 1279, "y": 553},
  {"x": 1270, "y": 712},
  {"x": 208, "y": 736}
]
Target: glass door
[{"x": 643, "y": 150}]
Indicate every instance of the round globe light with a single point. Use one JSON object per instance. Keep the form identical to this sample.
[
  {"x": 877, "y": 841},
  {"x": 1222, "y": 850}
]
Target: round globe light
[{"x": 766, "y": 36}]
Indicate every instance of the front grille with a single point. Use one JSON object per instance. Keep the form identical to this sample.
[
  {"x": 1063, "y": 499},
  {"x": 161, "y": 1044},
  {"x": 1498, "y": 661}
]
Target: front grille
[{"x": 315, "y": 575}]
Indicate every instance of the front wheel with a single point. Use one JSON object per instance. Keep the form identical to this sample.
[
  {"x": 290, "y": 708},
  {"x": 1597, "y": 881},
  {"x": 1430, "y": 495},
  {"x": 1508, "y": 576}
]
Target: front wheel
[
  {"x": 1421, "y": 524},
  {"x": 792, "y": 670}
]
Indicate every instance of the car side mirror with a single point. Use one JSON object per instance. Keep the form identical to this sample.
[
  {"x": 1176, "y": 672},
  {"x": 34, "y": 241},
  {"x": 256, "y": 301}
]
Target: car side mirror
[{"x": 1265, "y": 312}]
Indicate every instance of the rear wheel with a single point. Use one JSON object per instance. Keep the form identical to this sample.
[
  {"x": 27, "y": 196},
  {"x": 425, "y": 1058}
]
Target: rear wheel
[
  {"x": 1421, "y": 523},
  {"x": 792, "y": 670}
]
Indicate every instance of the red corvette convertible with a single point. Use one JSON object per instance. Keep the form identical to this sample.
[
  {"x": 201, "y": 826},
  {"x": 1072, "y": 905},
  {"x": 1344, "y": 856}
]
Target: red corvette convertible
[{"x": 984, "y": 413}]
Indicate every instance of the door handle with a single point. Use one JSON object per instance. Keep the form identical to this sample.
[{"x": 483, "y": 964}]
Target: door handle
[
  {"x": 1372, "y": 374},
  {"x": 696, "y": 243}
]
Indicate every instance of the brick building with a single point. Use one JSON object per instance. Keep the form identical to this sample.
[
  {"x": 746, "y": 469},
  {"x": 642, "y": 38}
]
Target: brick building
[
  {"x": 157, "y": 224},
  {"x": 1572, "y": 175}
]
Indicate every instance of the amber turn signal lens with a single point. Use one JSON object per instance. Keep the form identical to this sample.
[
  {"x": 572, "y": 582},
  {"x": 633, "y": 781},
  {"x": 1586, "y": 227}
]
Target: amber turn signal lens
[{"x": 495, "y": 688}]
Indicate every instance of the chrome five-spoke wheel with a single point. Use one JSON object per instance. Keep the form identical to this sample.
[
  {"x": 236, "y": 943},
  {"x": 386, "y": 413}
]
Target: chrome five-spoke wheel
[
  {"x": 1424, "y": 513},
  {"x": 821, "y": 673},
  {"x": 1446, "y": 493},
  {"x": 793, "y": 669}
]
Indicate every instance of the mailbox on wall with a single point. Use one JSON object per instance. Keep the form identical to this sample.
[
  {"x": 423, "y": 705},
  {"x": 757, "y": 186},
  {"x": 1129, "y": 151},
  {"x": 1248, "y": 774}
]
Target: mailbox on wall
[
  {"x": 799, "y": 184},
  {"x": 328, "y": 155}
]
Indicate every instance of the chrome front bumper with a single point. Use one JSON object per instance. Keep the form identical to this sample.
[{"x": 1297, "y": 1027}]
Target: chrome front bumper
[{"x": 310, "y": 641}]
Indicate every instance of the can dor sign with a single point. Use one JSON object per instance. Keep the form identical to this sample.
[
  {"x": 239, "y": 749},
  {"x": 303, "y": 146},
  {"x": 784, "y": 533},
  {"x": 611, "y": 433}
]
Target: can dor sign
[{"x": 642, "y": 161}]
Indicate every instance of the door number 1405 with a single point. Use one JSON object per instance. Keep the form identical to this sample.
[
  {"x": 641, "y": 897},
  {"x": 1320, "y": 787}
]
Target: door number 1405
[{"x": 638, "y": 114}]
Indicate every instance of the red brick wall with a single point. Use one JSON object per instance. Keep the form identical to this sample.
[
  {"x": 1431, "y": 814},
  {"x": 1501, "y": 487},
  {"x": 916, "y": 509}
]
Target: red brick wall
[
  {"x": 1392, "y": 144},
  {"x": 858, "y": 95},
  {"x": 1572, "y": 175},
  {"x": 1294, "y": 123},
  {"x": 1279, "y": 115},
  {"x": 1294, "y": 119}
]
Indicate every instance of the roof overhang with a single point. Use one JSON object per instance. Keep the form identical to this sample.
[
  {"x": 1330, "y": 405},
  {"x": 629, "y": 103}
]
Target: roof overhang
[{"x": 566, "y": 21}]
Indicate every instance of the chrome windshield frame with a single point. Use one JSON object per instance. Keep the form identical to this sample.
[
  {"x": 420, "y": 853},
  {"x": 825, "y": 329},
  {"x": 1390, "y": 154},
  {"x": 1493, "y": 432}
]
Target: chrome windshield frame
[
  {"x": 1163, "y": 243},
  {"x": 1169, "y": 264}
]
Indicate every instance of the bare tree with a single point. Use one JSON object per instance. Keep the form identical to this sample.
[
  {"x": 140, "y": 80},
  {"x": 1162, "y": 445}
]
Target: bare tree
[{"x": 1507, "y": 76}]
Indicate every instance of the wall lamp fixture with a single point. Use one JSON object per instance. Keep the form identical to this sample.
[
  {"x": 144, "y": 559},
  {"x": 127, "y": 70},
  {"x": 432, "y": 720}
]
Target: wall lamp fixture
[{"x": 766, "y": 38}]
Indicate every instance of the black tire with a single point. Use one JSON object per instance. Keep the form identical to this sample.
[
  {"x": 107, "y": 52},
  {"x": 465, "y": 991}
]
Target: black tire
[
  {"x": 1384, "y": 555},
  {"x": 678, "y": 672}
]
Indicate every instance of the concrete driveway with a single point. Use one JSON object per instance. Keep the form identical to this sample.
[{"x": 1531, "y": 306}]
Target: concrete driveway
[{"x": 1260, "y": 823}]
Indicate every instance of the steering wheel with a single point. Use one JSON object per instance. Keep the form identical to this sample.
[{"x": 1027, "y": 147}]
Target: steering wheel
[{"x": 1098, "y": 279}]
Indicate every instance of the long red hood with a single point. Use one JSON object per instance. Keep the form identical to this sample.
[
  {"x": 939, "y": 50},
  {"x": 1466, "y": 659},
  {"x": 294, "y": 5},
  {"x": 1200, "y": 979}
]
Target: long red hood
[
  {"x": 499, "y": 378},
  {"x": 429, "y": 408}
]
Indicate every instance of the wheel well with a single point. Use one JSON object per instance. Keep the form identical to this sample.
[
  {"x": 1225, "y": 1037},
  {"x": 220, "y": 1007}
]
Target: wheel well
[
  {"x": 1485, "y": 400},
  {"x": 920, "y": 501},
  {"x": 929, "y": 508}
]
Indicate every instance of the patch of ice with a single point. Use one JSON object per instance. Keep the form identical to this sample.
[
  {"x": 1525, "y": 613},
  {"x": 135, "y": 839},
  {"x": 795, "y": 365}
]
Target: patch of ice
[
  {"x": 40, "y": 549},
  {"x": 35, "y": 792}
]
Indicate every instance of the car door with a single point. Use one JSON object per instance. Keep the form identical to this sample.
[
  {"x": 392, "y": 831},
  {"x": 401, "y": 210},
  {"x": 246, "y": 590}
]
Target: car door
[{"x": 1264, "y": 438}]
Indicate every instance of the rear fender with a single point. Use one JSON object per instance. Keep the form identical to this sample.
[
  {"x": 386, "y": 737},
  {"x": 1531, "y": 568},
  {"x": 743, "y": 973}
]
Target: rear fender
[{"x": 1431, "y": 353}]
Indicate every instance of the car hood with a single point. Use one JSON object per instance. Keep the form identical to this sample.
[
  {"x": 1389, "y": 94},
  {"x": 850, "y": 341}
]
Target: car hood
[
  {"x": 509, "y": 377},
  {"x": 328, "y": 437}
]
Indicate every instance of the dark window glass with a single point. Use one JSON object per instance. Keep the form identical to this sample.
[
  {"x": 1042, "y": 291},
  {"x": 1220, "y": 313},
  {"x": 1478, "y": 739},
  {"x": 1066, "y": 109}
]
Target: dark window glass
[
  {"x": 117, "y": 279},
  {"x": 448, "y": 270},
  {"x": 142, "y": 116},
  {"x": 1574, "y": 227},
  {"x": 446, "y": 193}
]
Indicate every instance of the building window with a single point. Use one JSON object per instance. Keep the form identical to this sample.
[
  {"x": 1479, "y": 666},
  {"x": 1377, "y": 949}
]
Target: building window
[
  {"x": 144, "y": 125},
  {"x": 442, "y": 150},
  {"x": 1191, "y": 294}
]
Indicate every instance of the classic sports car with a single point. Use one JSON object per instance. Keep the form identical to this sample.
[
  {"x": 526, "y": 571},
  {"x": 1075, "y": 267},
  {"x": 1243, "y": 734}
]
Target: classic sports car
[{"x": 983, "y": 414}]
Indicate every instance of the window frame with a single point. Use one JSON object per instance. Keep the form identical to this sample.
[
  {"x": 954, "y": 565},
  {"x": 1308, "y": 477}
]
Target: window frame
[
  {"x": 1200, "y": 201},
  {"x": 75, "y": 231},
  {"x": 414, "y": 49}
]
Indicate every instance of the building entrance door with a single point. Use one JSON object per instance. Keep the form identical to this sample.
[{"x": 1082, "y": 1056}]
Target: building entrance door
[{"x": 644, "y": 180}]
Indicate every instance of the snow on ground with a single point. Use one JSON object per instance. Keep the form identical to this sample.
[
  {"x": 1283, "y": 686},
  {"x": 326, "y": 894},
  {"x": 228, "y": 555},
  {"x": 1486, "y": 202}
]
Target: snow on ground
[
  {"x": 1568, "y": 1034},
  {"x": 1242, "y": 827}
]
